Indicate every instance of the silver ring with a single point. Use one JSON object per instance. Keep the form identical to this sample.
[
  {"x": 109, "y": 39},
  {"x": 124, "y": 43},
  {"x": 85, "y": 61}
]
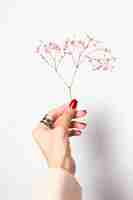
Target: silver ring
[{"x": 47, "y": 121}]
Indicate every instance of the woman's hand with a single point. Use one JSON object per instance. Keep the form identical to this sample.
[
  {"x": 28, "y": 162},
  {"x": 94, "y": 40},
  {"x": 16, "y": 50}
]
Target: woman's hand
[{"x": 54, "y": 143}]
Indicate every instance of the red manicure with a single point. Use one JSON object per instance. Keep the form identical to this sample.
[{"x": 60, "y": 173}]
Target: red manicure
[{"x": 73, "y": 104}]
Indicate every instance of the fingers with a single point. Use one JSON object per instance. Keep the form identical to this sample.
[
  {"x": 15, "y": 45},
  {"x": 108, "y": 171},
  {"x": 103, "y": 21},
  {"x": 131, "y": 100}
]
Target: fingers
[
  {"x": 80, "y": 113},
  {"x": 78, "y": 125},
  {"x": 65, "y": 119},
  {"x": 57, "y": 112},
  {"x": 63, "y": 116},
  {"x": 74, "y": 132}
]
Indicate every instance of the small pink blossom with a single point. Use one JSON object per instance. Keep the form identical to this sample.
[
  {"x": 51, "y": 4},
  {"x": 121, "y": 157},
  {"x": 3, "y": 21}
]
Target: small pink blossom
[{"x": 79, "y": 50}]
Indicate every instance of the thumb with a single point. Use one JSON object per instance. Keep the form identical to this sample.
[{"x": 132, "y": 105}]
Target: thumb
[{"x": 69, "y": 113}]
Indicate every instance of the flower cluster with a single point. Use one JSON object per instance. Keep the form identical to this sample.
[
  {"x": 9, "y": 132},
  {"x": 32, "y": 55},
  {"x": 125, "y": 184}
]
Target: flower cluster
[
  {"x": 79, "y": 50},
  {"x": 51, "y": 53}
]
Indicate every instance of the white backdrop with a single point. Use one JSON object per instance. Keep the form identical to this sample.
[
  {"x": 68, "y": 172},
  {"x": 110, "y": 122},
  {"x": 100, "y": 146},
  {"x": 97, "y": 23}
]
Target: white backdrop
[{"x": 104, "y": 152}]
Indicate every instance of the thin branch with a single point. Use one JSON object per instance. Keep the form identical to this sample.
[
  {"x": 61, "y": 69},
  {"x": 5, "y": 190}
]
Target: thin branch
[
  {"x": 74, "y": 74},
  {"x": 90, "y": 51},
  {"x": 76, "y": 67},
  {"x": 73, "y": 59},
  {"x": 59, "y": 75},
  {"x": 61, "y": 59},
  {"x": 43, "y": 57},
  {"x": 70, "y": 92}
]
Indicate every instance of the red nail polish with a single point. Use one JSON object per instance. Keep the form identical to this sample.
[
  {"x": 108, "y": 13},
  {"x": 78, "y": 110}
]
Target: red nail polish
[{"x": 73, "y": 104}]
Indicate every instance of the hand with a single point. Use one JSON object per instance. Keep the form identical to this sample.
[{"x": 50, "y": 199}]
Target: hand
[{"x": 54, "y": 143}]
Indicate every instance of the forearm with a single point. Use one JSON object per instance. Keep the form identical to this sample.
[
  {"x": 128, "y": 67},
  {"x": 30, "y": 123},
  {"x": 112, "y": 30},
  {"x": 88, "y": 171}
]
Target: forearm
[{"x": 58, "y": 184}]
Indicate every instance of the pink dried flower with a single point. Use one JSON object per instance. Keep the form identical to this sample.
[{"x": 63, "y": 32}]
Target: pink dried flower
[{"x": 79, "y": 50}]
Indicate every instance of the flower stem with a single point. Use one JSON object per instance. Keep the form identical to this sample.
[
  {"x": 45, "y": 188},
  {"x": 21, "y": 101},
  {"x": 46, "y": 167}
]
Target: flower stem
[
  {"x": 74, "y": 74},
  {"x": 70, "y": 92}
]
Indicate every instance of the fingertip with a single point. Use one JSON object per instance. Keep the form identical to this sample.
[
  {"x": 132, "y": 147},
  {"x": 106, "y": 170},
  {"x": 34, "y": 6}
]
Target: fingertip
[
  {"x": 73, "y": 104},
  {"x": 75, "y": 133},
  {"x": 78, "y": 133},
  {"x": 81, "y": 113},
  {"x": 84, "y": 111}
]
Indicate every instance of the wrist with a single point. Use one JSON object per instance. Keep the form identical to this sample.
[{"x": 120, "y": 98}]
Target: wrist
[{"x": 68, "y": 165}]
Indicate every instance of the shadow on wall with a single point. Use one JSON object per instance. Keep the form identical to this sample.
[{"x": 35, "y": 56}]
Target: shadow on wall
[{"x": 109, "y": 179}]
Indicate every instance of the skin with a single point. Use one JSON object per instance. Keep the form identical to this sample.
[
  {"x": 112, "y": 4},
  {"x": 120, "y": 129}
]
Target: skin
[{"x": 55, "y": 143}]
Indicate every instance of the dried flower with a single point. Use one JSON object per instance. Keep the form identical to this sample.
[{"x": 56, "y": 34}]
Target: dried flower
[{"x": 79, "y": 50}]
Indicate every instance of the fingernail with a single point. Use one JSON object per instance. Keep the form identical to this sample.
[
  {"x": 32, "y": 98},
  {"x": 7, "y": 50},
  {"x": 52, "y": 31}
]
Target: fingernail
[
  {"x": 85, "y": 111},
  {"x": 78, "y": 133},
  {"x": 73, "y": 104}
]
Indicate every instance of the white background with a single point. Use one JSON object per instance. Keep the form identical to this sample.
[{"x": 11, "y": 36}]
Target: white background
[{"x": 104, "y": 152}]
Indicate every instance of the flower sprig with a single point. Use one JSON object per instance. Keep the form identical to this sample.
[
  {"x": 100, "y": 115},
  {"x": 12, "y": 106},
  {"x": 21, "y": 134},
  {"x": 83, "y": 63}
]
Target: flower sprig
[{"x": 79, "y": 50}]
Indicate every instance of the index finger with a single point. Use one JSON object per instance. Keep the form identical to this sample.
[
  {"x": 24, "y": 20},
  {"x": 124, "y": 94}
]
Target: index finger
[{"x": 57, "y": 112}]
